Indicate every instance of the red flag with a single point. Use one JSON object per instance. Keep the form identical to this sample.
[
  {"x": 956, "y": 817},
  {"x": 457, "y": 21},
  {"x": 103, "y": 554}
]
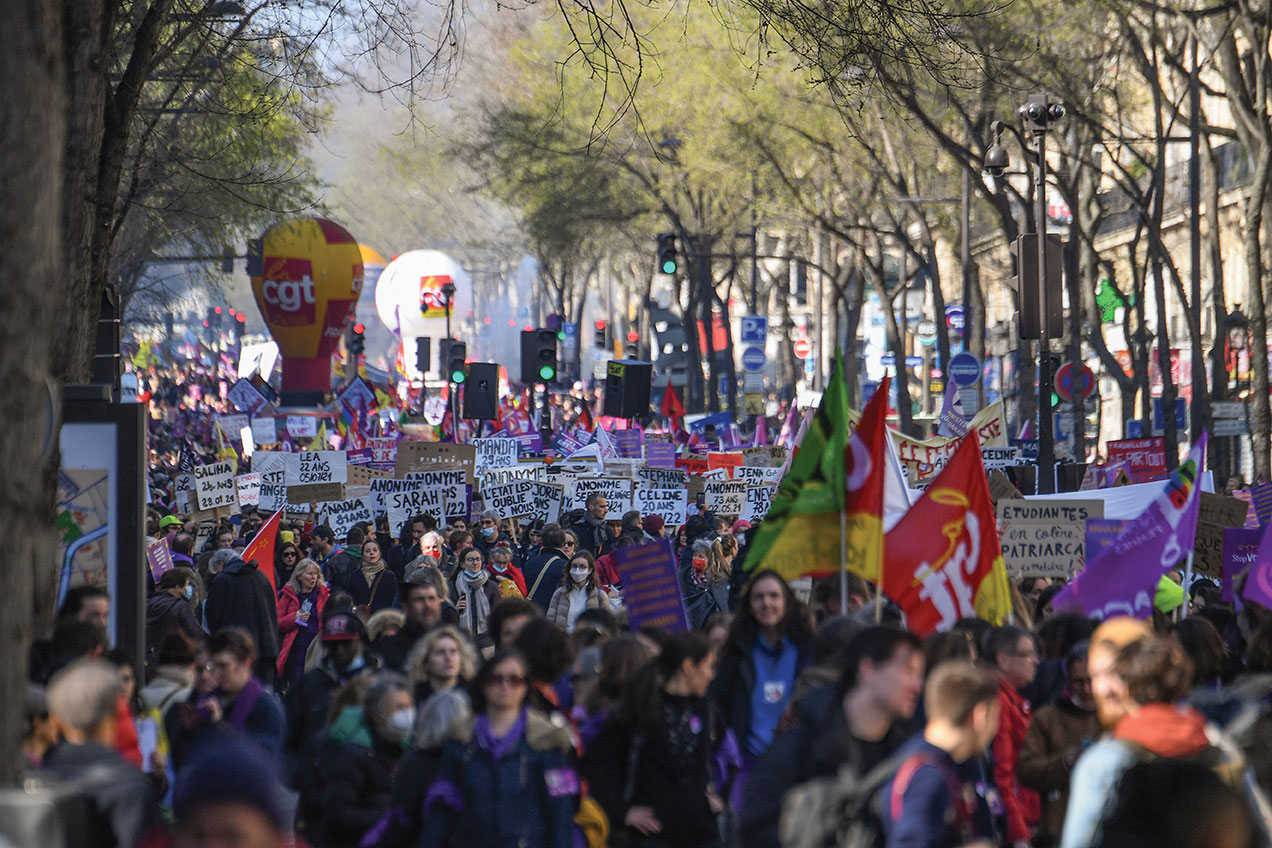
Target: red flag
[
  {"x": 672, "y": 408},
  {"x": 585, "y": 418},
  {"x": 942, "y": 560},
  {"x": 261, "y": 548}
]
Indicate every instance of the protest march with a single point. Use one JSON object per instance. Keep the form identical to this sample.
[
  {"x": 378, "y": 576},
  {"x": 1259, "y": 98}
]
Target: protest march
[{"x": 364, "y": 631}]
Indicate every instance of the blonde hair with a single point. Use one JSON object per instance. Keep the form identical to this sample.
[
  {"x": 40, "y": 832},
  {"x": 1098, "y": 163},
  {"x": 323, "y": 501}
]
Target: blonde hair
[
  {"x": 417, "y": 663},
  {"x": 299, "y": 571}
]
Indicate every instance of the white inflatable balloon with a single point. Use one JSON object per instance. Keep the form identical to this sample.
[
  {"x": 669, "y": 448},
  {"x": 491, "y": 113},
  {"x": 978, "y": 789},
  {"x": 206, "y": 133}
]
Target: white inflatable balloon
[{"x": 408, "y": 294}]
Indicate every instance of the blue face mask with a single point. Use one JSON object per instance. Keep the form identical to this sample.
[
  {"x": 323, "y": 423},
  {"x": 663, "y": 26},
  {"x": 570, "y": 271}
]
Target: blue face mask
[
  {"x": 488, "y": 532},
  {"x": 189, "y": 591}
]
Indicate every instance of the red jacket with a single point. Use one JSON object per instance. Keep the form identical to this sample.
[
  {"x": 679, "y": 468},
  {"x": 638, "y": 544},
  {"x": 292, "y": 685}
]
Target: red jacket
[
  {"x": 512, "y": 573},
  {"x": 1022, "y": 805},
  {"x": 288, "y": 606}
]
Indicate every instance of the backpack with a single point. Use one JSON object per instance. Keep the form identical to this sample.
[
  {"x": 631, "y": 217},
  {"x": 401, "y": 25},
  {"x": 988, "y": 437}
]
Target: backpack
[{"x": 838, "y": 811}]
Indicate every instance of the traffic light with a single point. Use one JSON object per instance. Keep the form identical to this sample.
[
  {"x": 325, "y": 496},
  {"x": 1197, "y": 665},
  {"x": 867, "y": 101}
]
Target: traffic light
[
  {"x": 423, "y": 354},
  {"x": 357, "y": 339},
  {"x": 602, "y": 338},
  {"x": 667, "y": 263},
  {"x": 538, "y": 356},
  {"x": 633, "y": 340},
  {"x": 456, "y": 365}
]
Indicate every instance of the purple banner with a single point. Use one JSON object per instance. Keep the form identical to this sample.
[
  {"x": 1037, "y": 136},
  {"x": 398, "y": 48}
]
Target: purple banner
[
  {"x": 159, "y": 557},
  {"x": 361, "y": 456},
  {"x": 1121, "y": 579},
  {"x": 1261, "y": 497},
  {"x": 660, "y": 455},
  {"x": 651, "y": 592},
  {"x": 1252, "y": 517},
  {"x": 1100, "y": 533},
  {"x": 1240, "y": 550},
  {"x": 529, "y": 444},
  {"x": 628, "y": 443}
]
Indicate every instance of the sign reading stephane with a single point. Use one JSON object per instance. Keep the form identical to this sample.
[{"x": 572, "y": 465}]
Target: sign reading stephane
[{"x": 1045, "y": 538}]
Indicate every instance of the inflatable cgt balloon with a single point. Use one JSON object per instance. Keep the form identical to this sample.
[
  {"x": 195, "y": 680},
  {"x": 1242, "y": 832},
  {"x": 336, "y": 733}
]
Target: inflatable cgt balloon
[{"x": 307, "y": 292}]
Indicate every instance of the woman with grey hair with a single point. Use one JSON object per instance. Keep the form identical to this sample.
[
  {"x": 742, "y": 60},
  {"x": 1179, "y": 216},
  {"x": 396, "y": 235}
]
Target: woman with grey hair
[
  {"x": 360, "y": 780},
  {"x": 402, "y": 823}
]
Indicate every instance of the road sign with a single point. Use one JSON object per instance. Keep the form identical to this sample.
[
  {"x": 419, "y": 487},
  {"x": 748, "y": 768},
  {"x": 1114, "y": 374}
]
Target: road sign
[
  {"x": 753, "y": 384},
  {"x": 1227, "y": 409},
  {"x": 754, "y": 330},
  {"x": 753, "y": 359},
  {"x": 1065, "y": 383},
  {"x": 803, "y": 348},
  {"x": 954, "y": 316},
  {"x": 965, "y": 369},
  {"x": 1229, "y": 427},
  {"x": 927, "y": 333}
]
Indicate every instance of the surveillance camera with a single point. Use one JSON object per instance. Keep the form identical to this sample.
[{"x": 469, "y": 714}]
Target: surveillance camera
[{"x": 996, "y": 160}]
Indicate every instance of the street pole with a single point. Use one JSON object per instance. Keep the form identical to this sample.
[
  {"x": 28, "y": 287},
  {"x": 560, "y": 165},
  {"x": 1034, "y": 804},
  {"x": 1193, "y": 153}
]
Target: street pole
[
  {"x": 1046, "y": 433},
  {"x": 1194, "y": 232},
  {"x": 448, "y": 291},
  {"x": 965, "y": 256},
  {"x": 755, "y": 250}
]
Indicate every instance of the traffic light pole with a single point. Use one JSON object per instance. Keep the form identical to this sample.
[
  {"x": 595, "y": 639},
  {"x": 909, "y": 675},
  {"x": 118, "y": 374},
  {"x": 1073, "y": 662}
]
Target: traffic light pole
[
  {"x": 448, "y": 291},
  {"x": 1046, "y": 424}
]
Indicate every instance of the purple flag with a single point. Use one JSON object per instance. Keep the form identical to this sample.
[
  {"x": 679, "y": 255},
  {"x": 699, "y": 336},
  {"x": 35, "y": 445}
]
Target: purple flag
[
  {"x": 1258, "y": 587},
  {"x": 1120, "y": 580},
  {"x": 952, "y": 421},
  {"x": 1240, "y": 551},
  {"x": 1261, "y": 496},
  {"x": 1101, "y": 533}
]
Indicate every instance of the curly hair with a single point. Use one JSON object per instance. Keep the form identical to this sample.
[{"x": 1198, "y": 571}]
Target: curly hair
[
  {"x": 743, "y": 630},
  {"x": 1155, "y": 670}
]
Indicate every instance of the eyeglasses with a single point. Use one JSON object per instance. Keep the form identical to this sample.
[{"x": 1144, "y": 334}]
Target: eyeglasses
[
  {"x": 513, "y": 680},
  {"x": 569, "y": 544}
]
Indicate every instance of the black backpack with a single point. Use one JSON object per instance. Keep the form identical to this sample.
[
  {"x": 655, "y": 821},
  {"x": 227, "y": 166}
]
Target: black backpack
[{"x": 837, "y": 811}]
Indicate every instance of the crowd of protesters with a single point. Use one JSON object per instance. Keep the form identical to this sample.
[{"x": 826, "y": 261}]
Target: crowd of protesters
[{"x": 479, "y": 685}]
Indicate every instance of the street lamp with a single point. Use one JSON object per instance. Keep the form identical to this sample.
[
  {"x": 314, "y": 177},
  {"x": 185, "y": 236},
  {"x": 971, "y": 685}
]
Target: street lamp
[{"x": 1036, "y": 114}]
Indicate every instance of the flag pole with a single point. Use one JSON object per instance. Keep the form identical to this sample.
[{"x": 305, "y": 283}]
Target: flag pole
[
  {"x": 843, "y": 560},
  {"x": 1188, "y": 578}
]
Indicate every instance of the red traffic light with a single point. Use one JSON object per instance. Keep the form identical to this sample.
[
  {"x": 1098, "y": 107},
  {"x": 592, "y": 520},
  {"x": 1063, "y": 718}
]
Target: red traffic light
[
  {"x": 486, "y": 320},
  {"x": 217, "y": 310},
  {"x": 359, "y": 328},
  {"x": 241, "y": 318},
  {"x": 205, "y": 323},
  {"x": 232, "y": 310},
  {"x": 600, "y": 325},
  {"x": 633, "y": 337},
  {"x": 512, "y": 322}
]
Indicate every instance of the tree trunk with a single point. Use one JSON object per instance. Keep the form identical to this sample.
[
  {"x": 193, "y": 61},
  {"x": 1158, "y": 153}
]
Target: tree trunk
[
  {"x": 1222, "y": 461},
  {"x": 33, "y": 257},
  {"x": 1261, "y": 415}
]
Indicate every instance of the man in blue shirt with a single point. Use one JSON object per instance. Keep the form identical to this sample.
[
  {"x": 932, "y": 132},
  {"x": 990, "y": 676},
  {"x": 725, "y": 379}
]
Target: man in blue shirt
[{"x": 929, "y": 804}]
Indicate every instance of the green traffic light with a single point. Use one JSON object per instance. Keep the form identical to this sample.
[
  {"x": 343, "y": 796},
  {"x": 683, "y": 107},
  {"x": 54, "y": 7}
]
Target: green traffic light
[
  {"x": 547, "y": 372},
  {"x": 669, "y": 266},
  {"x": 458, "y": 377},
  {"x": 561, "y": 335},
  {"x": 1055, "y": 400}
]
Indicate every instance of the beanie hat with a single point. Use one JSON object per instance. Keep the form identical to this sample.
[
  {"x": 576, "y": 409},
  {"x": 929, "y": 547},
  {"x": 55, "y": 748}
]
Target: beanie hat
[
  {"x": 232, "y": 771},
  {"x": 653, "y": 524}
]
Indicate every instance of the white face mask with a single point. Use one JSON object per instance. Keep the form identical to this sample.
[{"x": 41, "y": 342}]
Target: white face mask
[
  {"x": 578, "y": 575},
  {"x": 402, "y": 722}
]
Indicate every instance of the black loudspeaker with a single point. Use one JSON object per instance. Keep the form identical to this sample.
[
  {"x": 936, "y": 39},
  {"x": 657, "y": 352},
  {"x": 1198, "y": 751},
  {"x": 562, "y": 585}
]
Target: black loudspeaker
[
  {"x": 481, "y": 391},
  {"x": 627, "y": 388}
]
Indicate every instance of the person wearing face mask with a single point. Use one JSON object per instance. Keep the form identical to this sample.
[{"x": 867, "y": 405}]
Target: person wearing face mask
[
  {"x": 579, "y": 591},
  {"x": 475, "y": 593},
  {"x": 169, "y": 610},
  {"x": 360, "y": 771},
  {"x": 509, "y": 579},
  {"x": 489, "y": 534},
  {"x": 1058, "y": 735},
  {"x": 344, "y": 659}
]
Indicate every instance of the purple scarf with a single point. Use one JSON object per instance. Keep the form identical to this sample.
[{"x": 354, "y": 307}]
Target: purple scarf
[
  {"x": 497, "y": 747},
  {"x": 244, "y": 701}
]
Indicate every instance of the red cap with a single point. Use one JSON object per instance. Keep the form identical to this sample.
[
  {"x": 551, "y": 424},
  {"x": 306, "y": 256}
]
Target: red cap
[{"x": 342, "y": 627}]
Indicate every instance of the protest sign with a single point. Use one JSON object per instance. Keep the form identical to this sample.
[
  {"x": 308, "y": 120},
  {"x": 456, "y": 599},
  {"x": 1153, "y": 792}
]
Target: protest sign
[
  {"x": 1261, "y": 497},
  {"x": 232, "y": 426},
  {"x": 495, "y": 452},
  {"x": 362, "y": 475},
  {"x": 410, "y": 500},
  {"x": 1214, "y": 513},
  {"x": 628, "y": 443},
  {"x": 662, "y": 478},
  {"x": 693, "y": 464},
  {"x": 715, "y": 460},
  {"x": 752, "y": 474},
  {"x": 758, "y": 499},
  {"x": 383, "y": 453},
  {"x": 264, "y": 430},
  {"x": 545, "y": 503},
  {"x": 159, "y": 556},
  {"x": 617, "y": 492},
  {"x": 758, "y": 458},
  {"x": 341, "y": 516},
  {"x": 248, "y": 487},
  {"x": 1000, "y": 488},
  {"x": 421, "y": 456},
  {"x": 510, "y": 500},
  {"x": 993, "y": 457},
  {"x": 726, "y": 497},
  {"x": 1145, "y": 458},
  {"x": 247, "y": 398},
  {"x": 309, "y": 468},
  {"x": 314, "y": 493},
  {"x": 651, "y": 591},
  {"x": 302, "y": 426},
  {"x": 1044, "y": 538},
  {"x": 214, "y": 487},
  {"x": 669, "y": 504},
  {"x": 660, "y": 455},
  {"x": 1240, "y": 550}
]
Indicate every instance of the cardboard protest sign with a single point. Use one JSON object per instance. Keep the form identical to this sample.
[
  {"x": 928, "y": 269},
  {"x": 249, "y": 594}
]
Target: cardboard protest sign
[
  {"x": 669, "y": 504},
  {"x": 232, "y": 426},
  {"x": 413, "y": 498},
  {"x": 310, "y": 468},
  {"x": 203, "y": 534},
  {"x": 264, "y": 430},
  {"x": 1000, "y": 488},
  {"x": 1146, "y": 458},
  {"x": 159, "y": 557},
  {"x": 315, "y": 493},
  {"x": 214, "y": 487},
  {"x": 495, "y": 452},
  {"x": 503, "y": 476},
  {"x": 651, "y": 591},
  {"x": 341, "y": 516},
  {"x": 753, "y": 475},
  {"x": 1240, "y": 550},
  {"x": 510, "y": 500},
  {"x": 665, "y": 478},
  {"x": 617, "y": 492},
  {"x": 421, "y": 456},
  {"x": 758, "y": 500},
  {"x": 1044, "y": 538},
  {"x": 1214, "y": 513},
  {"x": 758, "y": 458},
  {"x": 726, "y": 497},
  {"x": 302, "y": 426},
  {"x": 362, "y": 475},
  {"x": 545, "y": 503},
  {"x": 248, "y": 487}
]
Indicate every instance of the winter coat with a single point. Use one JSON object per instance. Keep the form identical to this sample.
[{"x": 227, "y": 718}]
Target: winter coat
[
  {"x": 559, "y": 608},
  {"x": 1046, "y": 762},
  {"x": 702, "y": 597},
  {"x": 340, "y": 568},
  {"x": 1020, "y": 802},
  {"x": 309, "y": 699},
  {"x": 288, "y": 606},
  {"x": 122, "y": 807},
  {"x": 403, "y": 821},
  {"x": 241, "y": 596},
  {"x": 735, "y": 681},
  {"x": 553, "y": 563},
  {"x": 386, "y": 590},
  {"x": 360, "y": 783},
  {"x": 594, "y": 535},
  {"x": 165, "y": 614},
  {"x": 525, "y": 798}
]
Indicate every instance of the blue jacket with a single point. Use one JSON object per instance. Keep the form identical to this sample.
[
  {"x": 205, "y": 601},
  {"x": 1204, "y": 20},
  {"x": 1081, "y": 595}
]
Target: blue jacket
[
  {"x": 735, "y": 682},
  {"x": 525, "y": 799}
]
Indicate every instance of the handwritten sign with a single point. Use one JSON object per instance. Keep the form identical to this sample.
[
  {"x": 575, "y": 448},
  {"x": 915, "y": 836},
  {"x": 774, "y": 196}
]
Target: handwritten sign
[
  {"x": 495, "y": 453},
  {"x": 308, "y": 468},
  {"x": 993, "y": 457},
  {"x": 247, "y": 397},
  {"x": 669, "y": 504},
  {"x": 509, "y": 500},
  {"x": 302, "y": 426},
  {"x": 1214, "y": 513},
  {"x": 758, "y": 500},
  {"x": 545, "y": 503},
  {"x": 421, "y": 456},
  {"x": 1045, "y": 538},
  {"x": 726, "y": 497},
  {"x": 342, "y": 516},
  {"x": 617, "y": 492},
  {"x": 663, "y": 478},
  {"x": 752, "y": 474},
  {"x": 412, "y": 500},
  {"x": 248, "y": 487},
  {"x": 264, "y": 430},
  {"x": 651, "y": 592},
  {"x": 214, "y": 486}
]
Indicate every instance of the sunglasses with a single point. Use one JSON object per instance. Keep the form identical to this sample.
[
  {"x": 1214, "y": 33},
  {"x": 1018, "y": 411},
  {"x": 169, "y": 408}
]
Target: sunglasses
[
  {"x": 569, "y": 544},
  {"x": 288, "y": 555},
  {"x": 507, "y": 680}
]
